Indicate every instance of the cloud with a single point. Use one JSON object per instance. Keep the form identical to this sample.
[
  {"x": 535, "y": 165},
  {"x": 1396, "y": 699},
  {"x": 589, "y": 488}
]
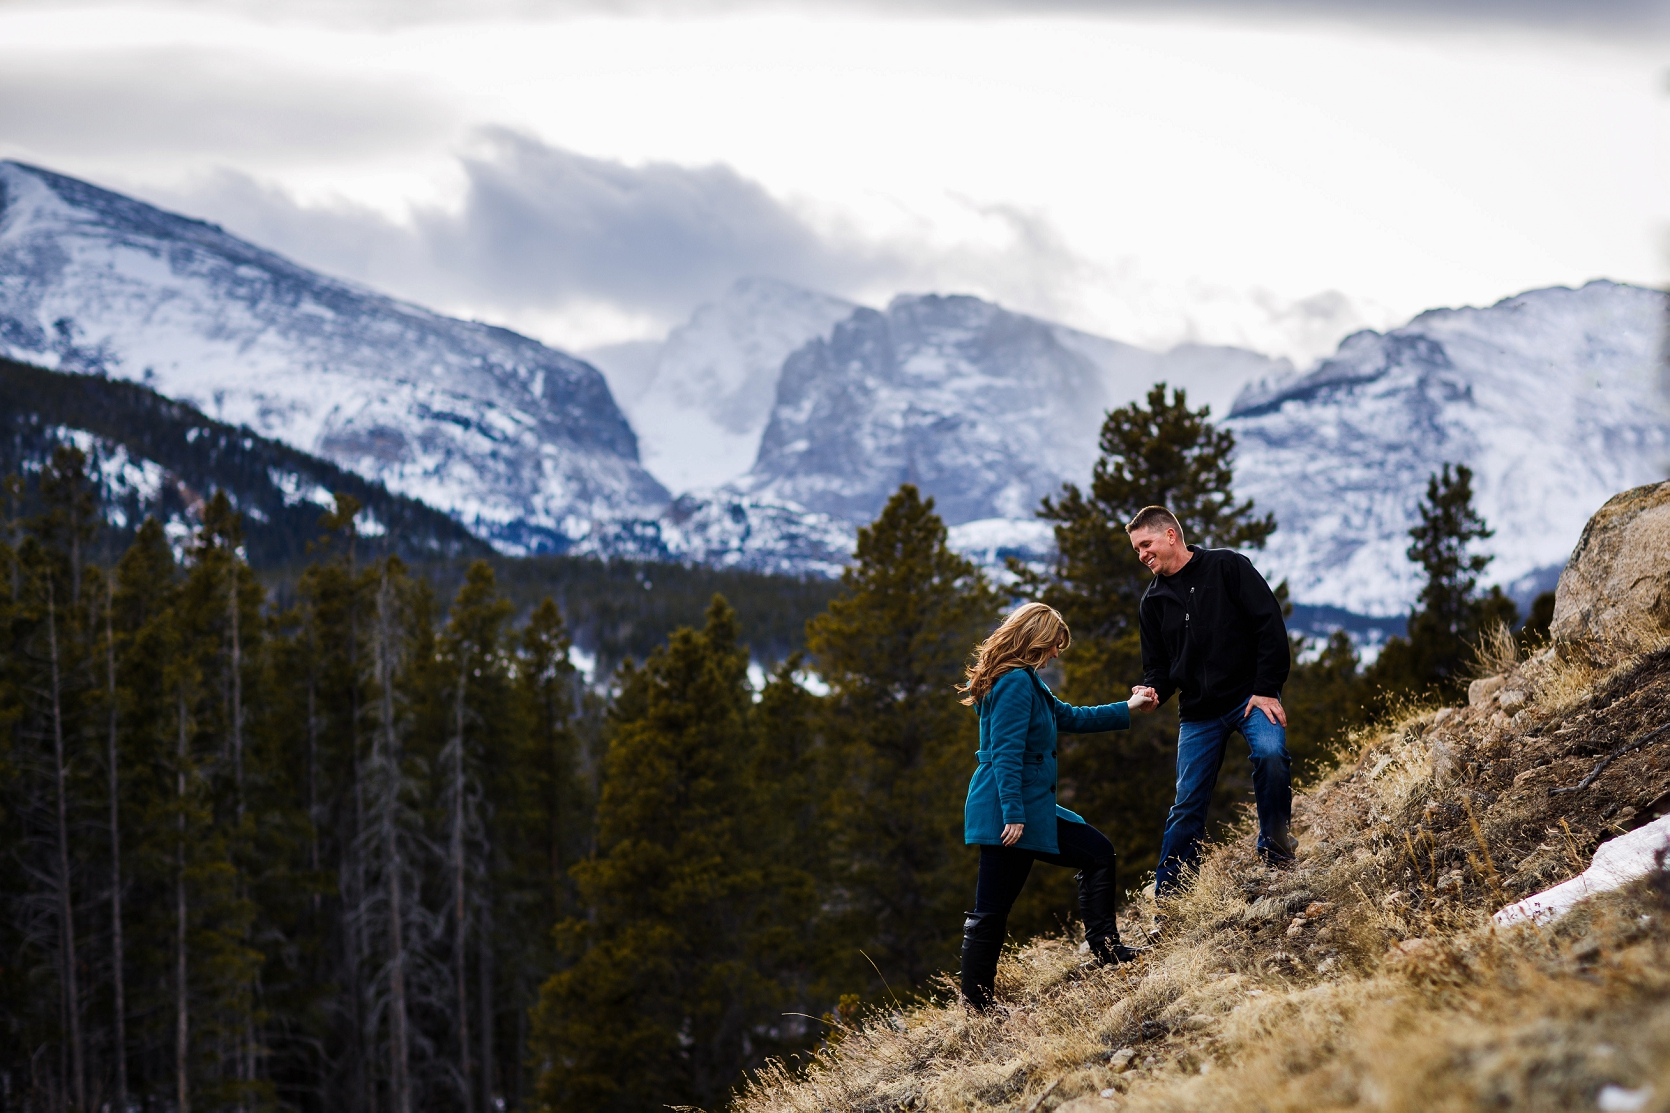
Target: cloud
[
  {"x": 582, "y": 251},
  {"x": 542, "y": 224},
  {"x": 540, "y": 230},
  {"x": 173, "y": 102},
  {"x": 1598, "y": 17}
]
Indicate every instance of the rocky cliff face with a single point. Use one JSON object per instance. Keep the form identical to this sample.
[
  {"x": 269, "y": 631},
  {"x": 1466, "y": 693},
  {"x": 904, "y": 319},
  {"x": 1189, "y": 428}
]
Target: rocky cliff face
[
  {"x": 985, "y": 409},
  {"x": 522, "y": 444},
  {"x": 700, "y": 399}
]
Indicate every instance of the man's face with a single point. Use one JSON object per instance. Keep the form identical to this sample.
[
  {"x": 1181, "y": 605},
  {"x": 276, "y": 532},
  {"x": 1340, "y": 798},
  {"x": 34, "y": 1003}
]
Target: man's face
[{"x": 1159, "y": 550}]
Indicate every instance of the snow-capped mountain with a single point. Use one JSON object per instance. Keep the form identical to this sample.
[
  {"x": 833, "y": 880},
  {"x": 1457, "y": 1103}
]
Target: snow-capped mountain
[
  {"x": 522, "y": 444},
  {"x": 985, "y": 409},
  {"x": 1555, "y": 398},
  {"x": 700, "y": 399}
]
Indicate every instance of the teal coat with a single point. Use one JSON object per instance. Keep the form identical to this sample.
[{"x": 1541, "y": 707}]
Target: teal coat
[{"x": 1014, "y": 781}]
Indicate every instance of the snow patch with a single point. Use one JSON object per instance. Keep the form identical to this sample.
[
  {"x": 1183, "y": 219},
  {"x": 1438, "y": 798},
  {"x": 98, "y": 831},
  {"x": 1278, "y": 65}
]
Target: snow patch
[{"x": 1615, "y": 865}]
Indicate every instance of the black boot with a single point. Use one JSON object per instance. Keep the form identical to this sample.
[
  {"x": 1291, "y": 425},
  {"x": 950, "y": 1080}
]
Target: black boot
[
  {"x": 982, "y": 942},
  {"x": 1097, "y": 896}
]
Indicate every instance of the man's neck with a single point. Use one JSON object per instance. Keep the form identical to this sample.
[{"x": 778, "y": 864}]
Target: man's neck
[{"x": 1188, "y": 555}]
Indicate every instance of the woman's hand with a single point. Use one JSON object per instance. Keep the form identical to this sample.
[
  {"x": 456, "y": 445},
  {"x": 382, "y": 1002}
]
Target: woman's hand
[
  {"x": 1143, "y": 699},
  {"x": 1012, "y": 833}
]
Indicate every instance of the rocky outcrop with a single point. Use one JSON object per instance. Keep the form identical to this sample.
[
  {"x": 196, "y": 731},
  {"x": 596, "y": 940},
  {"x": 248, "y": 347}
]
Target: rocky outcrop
[{"x": 1616, "y": 587}]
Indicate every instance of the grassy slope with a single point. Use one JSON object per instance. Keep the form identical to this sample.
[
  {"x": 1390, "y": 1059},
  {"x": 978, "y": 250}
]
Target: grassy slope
[{"x": 1367, "y": 977}]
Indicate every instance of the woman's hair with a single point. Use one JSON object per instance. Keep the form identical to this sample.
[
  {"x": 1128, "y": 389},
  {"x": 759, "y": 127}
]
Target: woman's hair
[{"x": 1023, "y": 640}]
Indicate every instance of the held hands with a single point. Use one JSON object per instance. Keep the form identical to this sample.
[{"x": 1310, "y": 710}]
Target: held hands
[
  {"x": 1271, "y": 706},
  {"x": 1143, "y": 699},
  {"x": 1012, "y": 833}
]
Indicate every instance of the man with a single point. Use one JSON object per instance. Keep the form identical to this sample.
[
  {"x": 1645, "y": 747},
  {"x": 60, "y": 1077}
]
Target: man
[{"x": 1213, "y": 631}]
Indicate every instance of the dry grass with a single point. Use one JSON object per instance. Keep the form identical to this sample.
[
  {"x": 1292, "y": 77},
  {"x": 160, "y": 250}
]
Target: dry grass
[{"x": 1367, "y": 976}]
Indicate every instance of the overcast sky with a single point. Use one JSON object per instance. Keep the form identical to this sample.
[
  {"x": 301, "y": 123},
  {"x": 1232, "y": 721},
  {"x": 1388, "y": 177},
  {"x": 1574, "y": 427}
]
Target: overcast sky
[{"x": 1263, "y": 174}]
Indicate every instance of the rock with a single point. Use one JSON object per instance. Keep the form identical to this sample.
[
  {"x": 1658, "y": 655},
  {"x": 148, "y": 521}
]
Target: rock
[
  {"x": 1442, "y": 717},
  {"x": 1410, "y": 948},
  {"x": 1512, "y": 700},
  {"x": 1616, "y": 586},
  {"x": 1443, "y": 762},
  {"x": 1089, "y": 1103},
  {"x": 1481, "y": 690},
  {"x": 1120, "y": 1060}
]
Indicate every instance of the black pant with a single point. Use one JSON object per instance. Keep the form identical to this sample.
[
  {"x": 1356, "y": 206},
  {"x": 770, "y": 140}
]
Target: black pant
[{"x": 1003, "y": 869}]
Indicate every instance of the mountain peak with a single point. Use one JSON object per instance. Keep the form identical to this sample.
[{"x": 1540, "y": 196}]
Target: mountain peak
[{"x": 701, "y": 398}]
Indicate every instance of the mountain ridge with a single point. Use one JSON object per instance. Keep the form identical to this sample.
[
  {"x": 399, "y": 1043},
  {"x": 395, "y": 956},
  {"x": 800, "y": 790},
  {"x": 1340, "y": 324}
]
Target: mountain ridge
[
  {"x": 521, "y": 442},
  {"x": 153, "y": 456}
]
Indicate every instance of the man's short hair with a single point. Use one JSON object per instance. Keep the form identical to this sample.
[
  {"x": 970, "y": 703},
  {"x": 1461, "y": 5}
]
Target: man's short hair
[{"x": 1156, "y": 518}]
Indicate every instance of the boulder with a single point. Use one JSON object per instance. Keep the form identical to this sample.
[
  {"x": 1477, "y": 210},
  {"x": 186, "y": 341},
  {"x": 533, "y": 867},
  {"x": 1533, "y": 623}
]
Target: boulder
[
  {"x": 1616, "y": 586},
  {"x": 1483, "y": 688}
]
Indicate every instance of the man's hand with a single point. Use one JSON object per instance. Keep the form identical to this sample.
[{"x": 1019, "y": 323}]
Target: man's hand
[
  {"x": 1271, "y": 706},
  {"x": 1012, "y": 833},
  {"x": 1143, "y": 699}
]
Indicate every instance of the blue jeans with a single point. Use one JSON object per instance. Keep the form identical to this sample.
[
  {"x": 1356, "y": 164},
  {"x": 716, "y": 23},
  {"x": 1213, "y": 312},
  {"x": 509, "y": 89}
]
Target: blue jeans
[{"x": 1200, "y": 754}]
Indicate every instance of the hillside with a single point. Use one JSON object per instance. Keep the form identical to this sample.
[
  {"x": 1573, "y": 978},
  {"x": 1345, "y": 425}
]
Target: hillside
[
  {"x": 1371, "y": 975},
  {"x": 154, "y": 456},
  {"x": 522, "y": 444}
]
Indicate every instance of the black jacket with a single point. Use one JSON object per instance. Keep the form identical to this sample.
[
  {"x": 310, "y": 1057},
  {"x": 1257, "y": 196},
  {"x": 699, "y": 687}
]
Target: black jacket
[{"x": 1214, "y": 631}]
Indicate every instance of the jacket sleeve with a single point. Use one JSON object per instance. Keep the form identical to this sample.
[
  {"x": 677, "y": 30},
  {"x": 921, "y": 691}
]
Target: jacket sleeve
[
  {"x": 1011, "y": 715},
  {"x": 1156, "y": 665},
  {"x": 1269, "y": 630},
  {"x": 1090, "y": 720}
]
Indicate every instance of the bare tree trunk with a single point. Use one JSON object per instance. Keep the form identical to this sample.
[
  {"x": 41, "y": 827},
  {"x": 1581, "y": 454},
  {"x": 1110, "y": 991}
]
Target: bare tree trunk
[
  {"x": 399, "y": 1079},
  {"x": 14, "y": 495},
  {"x": 182, "y": 1031},
  {"x": 116, "y": 960},
  {"x": 460, "y": 922},
  {"x": 237, "y": 695},
  {"x": 353, "y": 871},
  {"x": 484, "y": 998},
  {"x": 313, "y": 764},
  {"x": 65, "y": 897},
  {"x": 521, "y": 1045},
  {"x": 246, "y": 1039}
]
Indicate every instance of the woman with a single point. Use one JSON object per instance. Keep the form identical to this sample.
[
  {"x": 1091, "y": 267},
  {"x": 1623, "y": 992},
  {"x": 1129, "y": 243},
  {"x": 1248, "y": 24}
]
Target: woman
[{"x": 1011, "y": 812}]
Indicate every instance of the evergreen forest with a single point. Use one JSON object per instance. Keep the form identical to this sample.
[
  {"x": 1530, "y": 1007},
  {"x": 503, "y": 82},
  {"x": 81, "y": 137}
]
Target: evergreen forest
[{"x": 355, "y": 835}]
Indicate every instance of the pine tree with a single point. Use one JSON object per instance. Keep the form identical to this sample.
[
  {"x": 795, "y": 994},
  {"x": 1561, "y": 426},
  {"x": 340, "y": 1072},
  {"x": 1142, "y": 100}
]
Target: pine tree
[
  {"x": 797, "y": 945},
  {"x": 336, "y": 599},
  {"x": 1450, "y": 613},
  {"x": 57, "y": 698},
  {"x": 1157, "y": 452},
  {"x": 661, "y": 1001},
  {"x": 1324, "y": 697},
  {"x": 542, "y": 826},
  {"x": 891, "y": 647},
  {"x": 553, "y": 802},
  {"x": 481, "y": 731}
]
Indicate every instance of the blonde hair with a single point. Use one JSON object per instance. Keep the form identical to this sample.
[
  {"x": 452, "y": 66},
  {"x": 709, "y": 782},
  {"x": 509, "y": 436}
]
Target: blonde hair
[{"x": 1023, "y": 640}]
